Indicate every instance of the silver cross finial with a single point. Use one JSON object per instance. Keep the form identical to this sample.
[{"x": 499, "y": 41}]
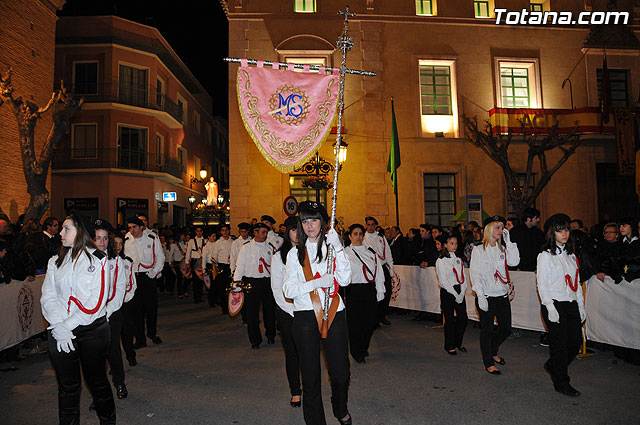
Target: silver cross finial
[{"x": 347, "y": 15}]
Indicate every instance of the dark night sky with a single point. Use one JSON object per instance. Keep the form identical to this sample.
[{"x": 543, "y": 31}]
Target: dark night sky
[{"x": 196, "y": 29}]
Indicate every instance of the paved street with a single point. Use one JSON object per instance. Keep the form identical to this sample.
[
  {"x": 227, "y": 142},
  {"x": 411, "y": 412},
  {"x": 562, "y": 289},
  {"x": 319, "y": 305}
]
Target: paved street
[{"x": 206, "y": 373}]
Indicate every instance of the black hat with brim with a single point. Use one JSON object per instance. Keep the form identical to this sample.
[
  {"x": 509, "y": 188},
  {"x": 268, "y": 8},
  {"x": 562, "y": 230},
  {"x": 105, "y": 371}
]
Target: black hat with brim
[
  {"x": 291, "y": 222},
  {"x": 260, "y": 226},
  {"x": 268, "y": 218},
  {"x": 499, "y": 218},
  {"x": 135, "y": 220},
  {"x": 559, "y": 219},
  {"x": 315, "y": 207},
  {"x": 244, "y": 226}
]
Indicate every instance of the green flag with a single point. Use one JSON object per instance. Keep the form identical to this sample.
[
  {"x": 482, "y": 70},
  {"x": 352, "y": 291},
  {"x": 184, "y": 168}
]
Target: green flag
[{"x": 394, "y": 154}]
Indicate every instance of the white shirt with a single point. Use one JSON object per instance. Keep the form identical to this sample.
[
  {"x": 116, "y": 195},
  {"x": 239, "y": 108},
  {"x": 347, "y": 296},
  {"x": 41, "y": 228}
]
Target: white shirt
[
  {"x": 118, "y": 285},
  {"x": 372, "y": 273},
  {"x": 222, "y": 250},
  {"x": 130, "y": 289},
  {"x": 447, "y": 277},
  {"x": 296, "y": 286},
  {"x": 274, "y": 240},
  {"x": 207, "y": 252},
  {"x": 254, "y": 261},
  {"x": 80, "y": 282},
  {"x": 278, "y": 270},
  {"x": 485, "y": 262},
  {"x": 194, "y": 249},
  {"x": 146, "y": 254},
  {"x": 235, "y": 250},
  {"x": 175, "y": 254},
  {"x": 552, "y": 284},
  {"x": 166, "y": 250},
  {"x": 381, "y": 246}
]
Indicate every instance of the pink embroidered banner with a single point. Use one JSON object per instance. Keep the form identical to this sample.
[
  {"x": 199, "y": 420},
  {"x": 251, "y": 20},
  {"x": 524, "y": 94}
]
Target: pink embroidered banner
[{"x": 288, "y": 114}]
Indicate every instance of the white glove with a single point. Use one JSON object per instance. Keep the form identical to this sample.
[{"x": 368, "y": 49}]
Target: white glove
[
  {"x": 380, "y": 296},
  {"x": 583, "y": 315},
  {"x": 483, "y": 303},
  {"x": 505, "y": 236},
  {"x": 325, "y": 281},
  {"x": 334, "y": 240},
  {"x": 553, "y": 314},
  {"x": 63, "y": 337}
]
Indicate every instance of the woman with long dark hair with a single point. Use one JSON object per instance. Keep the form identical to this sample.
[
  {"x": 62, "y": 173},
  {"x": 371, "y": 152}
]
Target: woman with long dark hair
[
  {"x": 363, "y": 294},
  {"x": 492, "y": 284},
  {"x": 558, "y": 275},
  {"x": 307, "y": 281},
  {"x": 74, "y": 300},
  {"x": 284, "y": 310}
]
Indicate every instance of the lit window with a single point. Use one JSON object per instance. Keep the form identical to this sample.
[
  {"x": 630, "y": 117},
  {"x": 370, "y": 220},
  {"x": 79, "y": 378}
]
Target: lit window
[
  {"x": 536, "y": 7},
  {"x": 425, "y": 7},
  {"x": 304, "y": 6},
  {"x": 481, "y": 9},
  {"x": 439, "y": 198},
  {"x": 435, "y": 90},
  {"x": 438, "y": 98},
  {"x": 518, "y": 83}
]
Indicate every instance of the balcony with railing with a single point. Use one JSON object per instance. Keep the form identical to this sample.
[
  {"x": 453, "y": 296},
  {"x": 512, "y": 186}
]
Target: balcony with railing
[
  {"x": 143, "y": 97},
  {"x": 114, "y": 158}
]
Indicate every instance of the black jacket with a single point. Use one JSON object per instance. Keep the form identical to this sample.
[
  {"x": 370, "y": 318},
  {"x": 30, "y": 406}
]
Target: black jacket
[
  {"x": 529, "y": 241},
  {"x": 400, "y": 251}
]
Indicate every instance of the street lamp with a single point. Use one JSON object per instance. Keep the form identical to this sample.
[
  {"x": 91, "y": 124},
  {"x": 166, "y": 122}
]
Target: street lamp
[
  {"x": 203, "y": 176},
  {"x": 192, "y": 200},
  {"x": 342, "y": 153},
  {"x": 220, "y": 199}
]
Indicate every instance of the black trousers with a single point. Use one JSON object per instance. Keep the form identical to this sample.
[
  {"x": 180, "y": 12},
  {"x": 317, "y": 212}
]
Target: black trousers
[
  {"x": 292, "y": 362},
  {"x": 91, "y": 348},
  {"x": 260, "y": 294},
  {"x": 383, "y": 305},
  {"x": 168, "y": 279},
  {"x": 180, "y": 281},
  {"x": 491, "y": 338},
  {"x": 336, "y": 348},
  {"x": 130, "y": 314},
  {"x": 147, "y": 307},
  {"x": 565, "y": 338},
  {"x": 362, "y": 317},
  {"x": 454, "y": 326},
  {"x": 218, "y": 293},
  {"x": 116, "y": 322},
  {"x": 196, "y": 282}
]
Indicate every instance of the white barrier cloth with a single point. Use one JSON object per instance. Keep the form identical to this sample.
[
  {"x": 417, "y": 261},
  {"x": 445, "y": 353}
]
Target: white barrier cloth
[{"x": 20, "y": 312}]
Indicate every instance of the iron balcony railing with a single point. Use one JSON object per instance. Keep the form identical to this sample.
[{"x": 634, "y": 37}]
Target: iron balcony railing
[
  {"x": 115, "y": 158},
  {"x": 144, "y": 97}
]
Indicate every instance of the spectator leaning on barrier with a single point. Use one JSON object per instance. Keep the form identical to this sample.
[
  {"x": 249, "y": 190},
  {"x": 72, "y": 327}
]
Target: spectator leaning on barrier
[
  {"x": 51, "y": 229},
  {"x": 20, "y": 264},
  {"x": 529, "y": 239},
  {"x": 608, "y": 251},
  {"x": 35, "y": 245},
  {"x": 5, "y": 271},
  {"x": 629, "y": 250},
  {"x": 400, "y": 250}
]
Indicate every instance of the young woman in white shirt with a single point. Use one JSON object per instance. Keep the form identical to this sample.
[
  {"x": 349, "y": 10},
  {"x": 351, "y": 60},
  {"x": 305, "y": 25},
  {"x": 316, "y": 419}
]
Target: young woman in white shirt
[
  {"x": 307, "y": 279},
  {"x": 363, "y": 294},
  {"x": 453, "y": 286},
  {"x": 284, "y": 310},
  {"x": 558, "y": 276},
  {"x": 491, "y": 282},
  {"x": 74, "y": 300}
]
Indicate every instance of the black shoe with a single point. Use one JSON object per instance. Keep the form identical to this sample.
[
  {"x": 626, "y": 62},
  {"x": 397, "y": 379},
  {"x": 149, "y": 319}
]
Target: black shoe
[
  {"x": 568, "y": 391},
  {"x": 452, "y": 352},
  {"x": 156, "y": 339},
  {"x": 139, "y": 345},
  {"x": 255, "y": 346},
  {"x": 270, "y": 340},
  {"x": 495, "y": 372},
  {"x": 346, "y": 421},
  {"x": 544, "y": 339},
  {"x": 462, "y": 348},
  {"x": 132, "y": 362},
  {"x": 295, "y": 403},
  {"x": 385, "y": 322},
  {"x": 121, "y": 391},
  {"x": 360, "y": 360}
]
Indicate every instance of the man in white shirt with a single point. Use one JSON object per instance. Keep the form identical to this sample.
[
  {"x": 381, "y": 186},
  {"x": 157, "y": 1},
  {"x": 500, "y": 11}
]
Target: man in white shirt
[
  {"x": 193, "y": 254},
  {"x": 244, "y": 230},
  {"x": 222, "y": 258},
  {"x": 380, "y": 245},
  {"x": 147, "y": 258},
  {"x": 273, "y": 239},
  {"x": 254, "y": 267}
]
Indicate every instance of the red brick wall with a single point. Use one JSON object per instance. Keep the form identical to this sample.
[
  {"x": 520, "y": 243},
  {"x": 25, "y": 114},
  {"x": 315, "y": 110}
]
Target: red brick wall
[{"x": 27, "y": 43}]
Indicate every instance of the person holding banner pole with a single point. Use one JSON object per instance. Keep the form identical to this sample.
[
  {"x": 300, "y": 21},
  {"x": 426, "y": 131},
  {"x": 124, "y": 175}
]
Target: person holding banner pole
[
  {"x": 558, "y": 276},
  {"x": 492, "y": 284},
  {"x": 284, "y": 310},
  {"x": 307, "y": 278}
]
